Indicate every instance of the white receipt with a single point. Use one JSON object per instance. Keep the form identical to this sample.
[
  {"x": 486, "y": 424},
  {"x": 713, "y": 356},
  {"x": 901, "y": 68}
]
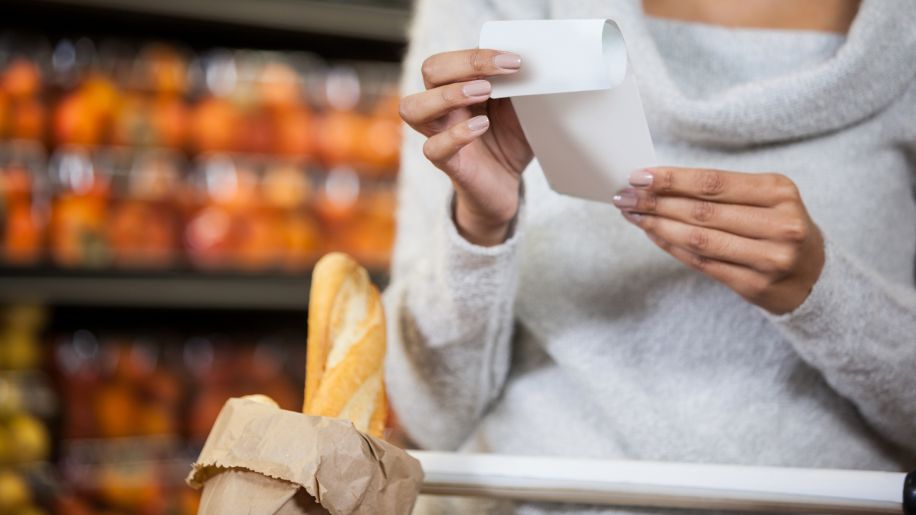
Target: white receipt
[{"x": 577, "y": 101}]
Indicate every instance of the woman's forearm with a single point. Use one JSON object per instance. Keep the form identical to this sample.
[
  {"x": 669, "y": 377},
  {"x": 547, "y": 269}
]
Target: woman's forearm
[
  {"x": 450, "y": 327},
  {"x": 860, "y": 332}
]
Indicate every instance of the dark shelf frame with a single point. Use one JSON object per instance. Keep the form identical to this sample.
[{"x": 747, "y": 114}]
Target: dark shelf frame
[
  {"x": 154, "y": 289},
  {"x": 333, "y": 30},
  {"x": 163, "y": 289},
  {"x": 377, "y": 22}
]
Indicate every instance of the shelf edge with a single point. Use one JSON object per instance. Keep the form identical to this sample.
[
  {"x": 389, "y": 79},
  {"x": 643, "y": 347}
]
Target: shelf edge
[{"x": 370, "y": 22}]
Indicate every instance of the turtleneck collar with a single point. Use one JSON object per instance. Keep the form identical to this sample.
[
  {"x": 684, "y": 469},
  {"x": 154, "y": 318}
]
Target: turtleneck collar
[{"x": 872, "y": 68}]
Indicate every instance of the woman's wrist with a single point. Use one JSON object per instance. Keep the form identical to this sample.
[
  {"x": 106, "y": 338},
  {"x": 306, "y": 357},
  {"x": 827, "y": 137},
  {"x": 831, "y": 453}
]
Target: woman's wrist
[{"x": 481, "y": 230}]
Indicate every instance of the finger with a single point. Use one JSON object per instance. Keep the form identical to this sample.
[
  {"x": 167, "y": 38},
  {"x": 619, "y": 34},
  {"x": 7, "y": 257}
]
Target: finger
[
  {"x": 744, "y": 281},
  {"x": 421, "y": 109},
  {"x": 743, "y": 220},
  {"x": 463, "y": 65},
  {"x": 761, "y": 255},
  {"x": 756, "y": 189},
  {"x": 442, "y": 147}
]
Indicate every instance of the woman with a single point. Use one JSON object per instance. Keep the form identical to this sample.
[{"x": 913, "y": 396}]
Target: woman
[{"x": 714, "y": 313}]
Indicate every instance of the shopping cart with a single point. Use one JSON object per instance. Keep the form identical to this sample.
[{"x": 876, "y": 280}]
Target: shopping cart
[{"x": 668, "y": 485}]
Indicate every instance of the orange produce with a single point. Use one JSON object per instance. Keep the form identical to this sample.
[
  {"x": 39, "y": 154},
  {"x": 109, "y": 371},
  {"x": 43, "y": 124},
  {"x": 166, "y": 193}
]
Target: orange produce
[
  {"x": 188, "y": 501},
  {"x": 27, "y": 119},
  {"x": 72, "y": 505},
  {"x": 258, "y": 241},
  {"x": 101, "y": 95},
  {"x": 303, "y": 241},
  {"x": 141, "y": 234},
  {"x": 256, "y": 132},
  {"x": 77, "y": 121},
  {"x": 388, "y": 106},
  {"x": 278, "y": 86},
  {"x": 77, "y": 229},
  {"x": 204, "y": 410},
  {"x": 132, "y": 124},
  {"x": 154, "y": 176},
  {"x": 156, "y": 420},
  {"x": 130, "y": 486},
  {"x": 133, "y": 363},
  {"x": 16, "y": 184},
  {"x": 381, "y": 143},
  {"x": 295, "y": 133},
  {"x": 208, "y": 236},
  {"x": 285, "y": 186},
  {"x": 166, "y": 70},
  {"x": 336, "y": 202},
  {"x": 169, "y": 118},
  {"x": 23, "y": 235},
  {"x": 22, "y": 79},
  {"x": 164, "y": 387},
  {"x": 371, "y": 235},
  {"x": 339, "y": 136},
  {"x": 115, "y": 410},
  {"x": 213, "y": 125},
  {"x": 4, "y": 112},
  {"x": 231, "y": 185}
]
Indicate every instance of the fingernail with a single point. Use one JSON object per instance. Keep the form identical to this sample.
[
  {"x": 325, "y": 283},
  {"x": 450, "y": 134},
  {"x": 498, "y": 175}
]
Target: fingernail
[
  {"x": 478, "y": 123},
  {"x": 477, "y": 88},
  {"x": 508, "y": 61},
  {"x": 625, "y": 199},
  {"x": 633, "y": 217},
  {"x": 641, "y": 178}
]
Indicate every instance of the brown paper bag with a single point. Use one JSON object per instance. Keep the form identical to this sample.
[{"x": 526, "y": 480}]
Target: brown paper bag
[{"x": 259, "y": 459}]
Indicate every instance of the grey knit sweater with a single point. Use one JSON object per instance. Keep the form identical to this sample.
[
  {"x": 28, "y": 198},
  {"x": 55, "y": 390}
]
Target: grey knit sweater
[{"x": 578, "y": 337}]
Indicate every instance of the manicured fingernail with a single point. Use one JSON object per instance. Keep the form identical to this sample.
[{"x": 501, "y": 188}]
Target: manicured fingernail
[
  {"x": 477, "y": 88},
  {"x": 625, "y": 199},
  {"x": 478, "y": 123},
  {"x": 633, "y": 217},
  {"x": 641, "y": 178},
  {"x": 508, "y": 61}
]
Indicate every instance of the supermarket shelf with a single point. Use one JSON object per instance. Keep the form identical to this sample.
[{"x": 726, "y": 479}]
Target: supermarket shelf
[
  {"x": 191, "y": 289},
  {"x": 381, "y": 23}
]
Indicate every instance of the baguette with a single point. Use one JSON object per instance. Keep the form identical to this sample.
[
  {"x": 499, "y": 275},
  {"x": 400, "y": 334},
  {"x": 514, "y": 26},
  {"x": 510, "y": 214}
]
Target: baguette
[{"x": 346, "y": 346}]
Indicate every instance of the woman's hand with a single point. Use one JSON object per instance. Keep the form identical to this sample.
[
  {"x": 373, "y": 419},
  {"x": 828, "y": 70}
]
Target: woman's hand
[
  {"x": 476, "y": 140},
  {"x": 748, "y": 231}
]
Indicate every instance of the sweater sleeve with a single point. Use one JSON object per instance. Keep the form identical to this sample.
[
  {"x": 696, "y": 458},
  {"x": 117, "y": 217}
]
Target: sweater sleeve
[
  {"x": 860, "y": 332},
  {"x": 450, "y": 303}
]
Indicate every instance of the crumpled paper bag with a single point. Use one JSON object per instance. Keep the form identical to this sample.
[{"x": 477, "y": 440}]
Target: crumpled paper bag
[{"x": 259, "y": 459}]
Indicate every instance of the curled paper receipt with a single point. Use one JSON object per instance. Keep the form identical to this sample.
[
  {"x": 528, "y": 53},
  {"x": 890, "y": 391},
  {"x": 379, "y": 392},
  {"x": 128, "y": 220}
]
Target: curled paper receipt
[{"x": 577, "y": 101}]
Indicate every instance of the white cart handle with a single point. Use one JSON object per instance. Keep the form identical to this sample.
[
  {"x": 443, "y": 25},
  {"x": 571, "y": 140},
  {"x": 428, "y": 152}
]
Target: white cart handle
[{"x": 667, "y": 485}]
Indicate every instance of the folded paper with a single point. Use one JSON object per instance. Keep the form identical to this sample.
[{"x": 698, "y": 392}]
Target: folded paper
[
  {"x": 577, "y": 100},
  {"x": 261, "y": 459}
]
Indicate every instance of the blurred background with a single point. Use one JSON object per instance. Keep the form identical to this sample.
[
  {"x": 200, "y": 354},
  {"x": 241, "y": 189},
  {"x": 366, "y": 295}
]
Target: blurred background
[{"x": 169, "y": 172}]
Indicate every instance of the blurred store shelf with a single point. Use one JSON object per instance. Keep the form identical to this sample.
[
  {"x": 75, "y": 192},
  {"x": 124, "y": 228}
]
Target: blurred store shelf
[
  {"x": 383, "y": 21},
  {"x": 170, "y": 170},
  {"x": 173, "y": 289}
]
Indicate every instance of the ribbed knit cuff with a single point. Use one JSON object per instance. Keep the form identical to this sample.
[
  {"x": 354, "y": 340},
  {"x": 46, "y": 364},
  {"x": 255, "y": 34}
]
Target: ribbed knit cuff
[
  {"x": 475, "y": 270},
  {"x": 846, "y": 307},
  {"x": 512, "y": 223},
  {"x": 813, "y": 316}
]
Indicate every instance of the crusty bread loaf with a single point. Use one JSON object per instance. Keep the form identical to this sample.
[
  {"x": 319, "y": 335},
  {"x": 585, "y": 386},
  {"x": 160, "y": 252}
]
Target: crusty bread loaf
[{"x": 346, "y": 346}]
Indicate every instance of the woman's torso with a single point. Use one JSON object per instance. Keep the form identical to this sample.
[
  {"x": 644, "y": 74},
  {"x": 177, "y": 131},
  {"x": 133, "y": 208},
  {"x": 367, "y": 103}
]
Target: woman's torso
[{"x": 622, "y": 352}]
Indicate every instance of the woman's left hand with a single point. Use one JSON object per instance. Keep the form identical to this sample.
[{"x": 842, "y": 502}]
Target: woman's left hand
[{"x": 748, "y": 231}]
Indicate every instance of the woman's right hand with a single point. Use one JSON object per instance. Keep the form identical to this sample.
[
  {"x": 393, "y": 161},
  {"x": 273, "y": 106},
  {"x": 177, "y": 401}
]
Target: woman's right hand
[{"x": 477, "y": 141}]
